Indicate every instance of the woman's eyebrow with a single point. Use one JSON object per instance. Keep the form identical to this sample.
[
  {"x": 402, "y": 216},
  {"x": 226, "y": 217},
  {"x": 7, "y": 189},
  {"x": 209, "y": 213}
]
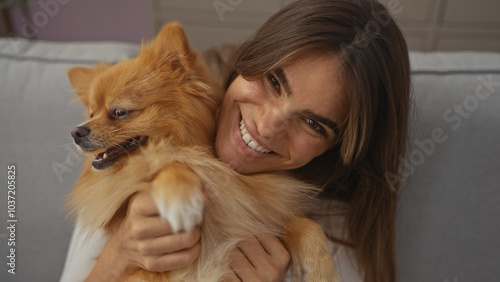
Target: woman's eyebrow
[
  {"x": 326, "y": 121},
  {"x": 282, "y": 78}
]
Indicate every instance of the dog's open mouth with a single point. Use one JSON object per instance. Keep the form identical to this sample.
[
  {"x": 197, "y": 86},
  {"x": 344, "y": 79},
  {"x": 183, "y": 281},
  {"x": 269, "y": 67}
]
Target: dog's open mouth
[{"x": 109, "y": 157}]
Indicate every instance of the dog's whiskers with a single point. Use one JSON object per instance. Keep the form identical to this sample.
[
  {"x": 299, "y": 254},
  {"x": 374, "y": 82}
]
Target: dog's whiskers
[
  {"x": 70, "y": 159},
  {"x": 116, "y": 129},
  {"x": 57, "y": 147},
  {"x": 125, "y": 132}
]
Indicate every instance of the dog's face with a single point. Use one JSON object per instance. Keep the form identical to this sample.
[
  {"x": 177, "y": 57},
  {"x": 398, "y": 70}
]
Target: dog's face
[{"x": 162, "y": 93}]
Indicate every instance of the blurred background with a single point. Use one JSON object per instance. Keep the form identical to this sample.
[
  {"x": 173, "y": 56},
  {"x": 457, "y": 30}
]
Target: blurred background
[{"x": 429, "y": 25}]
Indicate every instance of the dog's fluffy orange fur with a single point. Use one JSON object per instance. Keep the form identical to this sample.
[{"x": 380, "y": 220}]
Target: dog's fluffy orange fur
[{"x": 166, "y": 95}]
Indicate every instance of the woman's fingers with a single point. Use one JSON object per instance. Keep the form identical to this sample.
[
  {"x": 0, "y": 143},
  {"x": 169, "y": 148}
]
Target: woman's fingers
[
  {"x": 256, "y": 256},
  {"x": 231, "y": 277},
  {"x": 149, "y": 227},
  {"x": 147, "y": 240},
  {"x": 242, "y": 267},
  {"x": 142, "y": 204},
  {"x": 276, "y": 250},
  {"x": 169, "y": 244},
  {"x": 262, "y": 259},
  {"x": 172, "y": 261}
]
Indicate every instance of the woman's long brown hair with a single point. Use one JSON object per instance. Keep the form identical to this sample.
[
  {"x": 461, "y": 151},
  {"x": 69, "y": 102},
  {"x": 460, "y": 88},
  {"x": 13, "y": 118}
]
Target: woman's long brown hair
[{"x": 376, "y": 70}]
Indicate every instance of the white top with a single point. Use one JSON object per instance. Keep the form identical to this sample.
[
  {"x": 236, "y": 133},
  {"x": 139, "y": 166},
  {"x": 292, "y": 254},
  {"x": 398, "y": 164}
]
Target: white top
[{"x": 82, "y": 254}]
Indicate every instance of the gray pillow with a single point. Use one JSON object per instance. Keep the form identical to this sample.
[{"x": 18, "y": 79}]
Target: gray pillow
[
  {"x": 449, "y": 213},
  {"x": 36, "y": 117}
]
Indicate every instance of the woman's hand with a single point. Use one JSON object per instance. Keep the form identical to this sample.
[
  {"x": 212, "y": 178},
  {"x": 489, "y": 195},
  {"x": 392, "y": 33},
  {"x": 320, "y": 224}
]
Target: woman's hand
[
  {"x": 145, "y": 241},
  {"x": 261, "y": 259}
]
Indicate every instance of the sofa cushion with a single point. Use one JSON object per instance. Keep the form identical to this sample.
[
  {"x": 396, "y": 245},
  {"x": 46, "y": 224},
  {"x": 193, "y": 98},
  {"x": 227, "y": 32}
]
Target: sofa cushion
[
  {"x": 449, "y": 212},
  {"x": 36, "y": 117}
]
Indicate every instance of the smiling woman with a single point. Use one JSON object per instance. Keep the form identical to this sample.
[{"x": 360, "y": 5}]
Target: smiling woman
[{"x": 328, "y": 96}]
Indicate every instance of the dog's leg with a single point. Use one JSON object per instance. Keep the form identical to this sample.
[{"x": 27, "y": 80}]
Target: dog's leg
[
  {"x": 146, "y": 276},
  {"x": 178, "y": 194},
  {"x": 311, "y": 257}
]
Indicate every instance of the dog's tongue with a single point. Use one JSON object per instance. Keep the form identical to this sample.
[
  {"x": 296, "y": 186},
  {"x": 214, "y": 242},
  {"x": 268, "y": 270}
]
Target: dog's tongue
[{"x": 111, "y": 155}]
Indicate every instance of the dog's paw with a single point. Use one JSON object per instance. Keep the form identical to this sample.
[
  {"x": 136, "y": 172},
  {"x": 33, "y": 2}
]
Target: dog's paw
[
  {"x": 183, "y": 215},
  {"x": 178, "y": 194},
  {"x": 312, "y": 260}
]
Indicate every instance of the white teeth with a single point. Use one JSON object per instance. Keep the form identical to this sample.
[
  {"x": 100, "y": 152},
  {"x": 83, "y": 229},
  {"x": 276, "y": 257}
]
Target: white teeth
[
  {"x": 104, "y": 156},
  {"x": 248, "y": 140}
]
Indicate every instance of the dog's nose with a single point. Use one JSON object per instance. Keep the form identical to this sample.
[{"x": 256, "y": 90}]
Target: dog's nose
[{"x": 79, "y": 133}]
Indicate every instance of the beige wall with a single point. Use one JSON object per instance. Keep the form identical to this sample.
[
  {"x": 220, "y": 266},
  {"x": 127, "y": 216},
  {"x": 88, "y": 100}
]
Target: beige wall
[
  {"x": 428, "y": 24},
  {"x": 451, "y": 24}
]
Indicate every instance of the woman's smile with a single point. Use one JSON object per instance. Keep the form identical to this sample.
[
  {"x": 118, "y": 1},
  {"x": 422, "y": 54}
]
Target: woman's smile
[
  {"x": 246, "y": 142},
  {"x": 245, "y": 135}
]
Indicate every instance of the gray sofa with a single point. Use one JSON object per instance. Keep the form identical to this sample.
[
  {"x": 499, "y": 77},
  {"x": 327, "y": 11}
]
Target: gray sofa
[{"x": 449, "y": 213}]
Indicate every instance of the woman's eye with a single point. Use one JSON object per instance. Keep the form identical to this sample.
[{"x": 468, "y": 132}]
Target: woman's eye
[
  {"x": 315, "y": 126},
  {"x": 274, "y": 82},
  {"x": 120, "y": 113}
]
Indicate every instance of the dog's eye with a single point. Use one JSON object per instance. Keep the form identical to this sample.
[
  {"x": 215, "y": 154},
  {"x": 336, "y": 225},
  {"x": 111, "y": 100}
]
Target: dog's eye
[{"x": 120, "y": 113}]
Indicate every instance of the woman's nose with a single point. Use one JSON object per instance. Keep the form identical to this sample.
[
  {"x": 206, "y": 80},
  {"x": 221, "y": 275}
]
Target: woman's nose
[{"x": 272, "y": 122}]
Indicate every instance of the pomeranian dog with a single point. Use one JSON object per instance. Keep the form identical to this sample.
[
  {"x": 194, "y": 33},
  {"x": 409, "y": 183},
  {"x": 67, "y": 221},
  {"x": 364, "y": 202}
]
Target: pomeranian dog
[{"x": 151, "y": 126}]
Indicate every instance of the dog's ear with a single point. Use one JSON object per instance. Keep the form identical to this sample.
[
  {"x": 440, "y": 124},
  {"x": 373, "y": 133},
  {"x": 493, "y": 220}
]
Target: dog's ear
[
  {"x": 171, "y": 46},
  {"x": 80, "y": 78}
]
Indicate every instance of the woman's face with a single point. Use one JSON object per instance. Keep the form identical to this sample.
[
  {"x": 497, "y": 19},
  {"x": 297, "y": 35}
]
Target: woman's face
[{"x": 284, "y": 120}]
